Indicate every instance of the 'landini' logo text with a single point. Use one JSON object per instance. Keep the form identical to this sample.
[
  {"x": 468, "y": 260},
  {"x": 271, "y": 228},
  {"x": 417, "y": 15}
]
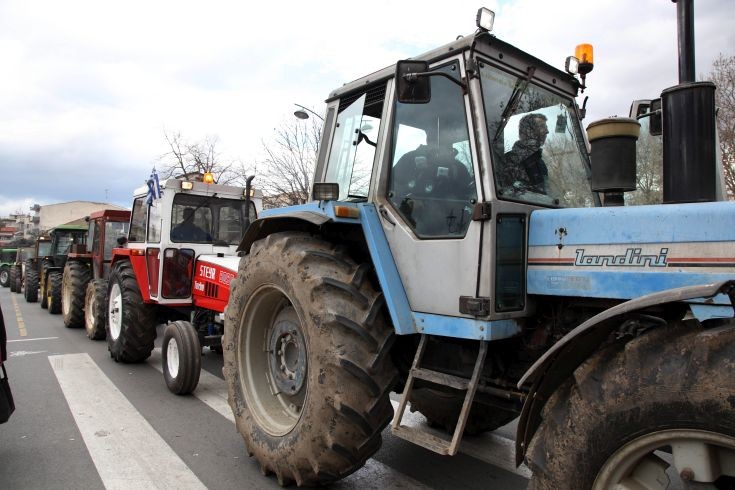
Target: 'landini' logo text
[{"x": 631, "y": 258}]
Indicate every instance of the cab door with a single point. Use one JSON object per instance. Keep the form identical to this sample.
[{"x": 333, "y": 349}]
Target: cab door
[{"x": 429, "y": 187}]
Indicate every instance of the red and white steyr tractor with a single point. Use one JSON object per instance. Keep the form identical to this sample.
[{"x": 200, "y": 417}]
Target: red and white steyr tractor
[{"x": 175, "y": 268}]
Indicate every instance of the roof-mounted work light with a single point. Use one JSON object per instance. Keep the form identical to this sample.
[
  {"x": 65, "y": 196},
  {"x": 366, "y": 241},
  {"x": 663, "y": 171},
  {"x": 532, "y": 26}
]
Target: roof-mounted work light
[
  {"x": 208, "y": 178},
  {"x": 485, "y": 19}
]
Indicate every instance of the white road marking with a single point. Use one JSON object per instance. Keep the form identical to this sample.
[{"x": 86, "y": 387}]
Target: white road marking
[
  {"x": 491, "y": 448},
  {"x": 36, "y": 338},
  {"x": 212, "y": 390},
  {"x": 126, "y": 450},
  {"x": 21, "y": 353}
]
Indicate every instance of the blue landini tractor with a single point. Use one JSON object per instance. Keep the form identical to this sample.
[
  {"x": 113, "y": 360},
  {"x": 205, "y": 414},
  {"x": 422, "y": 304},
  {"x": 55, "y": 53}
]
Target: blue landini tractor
[{"x": 458, "y": 253}]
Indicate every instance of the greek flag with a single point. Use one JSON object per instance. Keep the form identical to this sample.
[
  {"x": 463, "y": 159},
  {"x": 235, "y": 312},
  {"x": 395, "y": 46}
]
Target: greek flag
[{"x": 154, "y": 188}]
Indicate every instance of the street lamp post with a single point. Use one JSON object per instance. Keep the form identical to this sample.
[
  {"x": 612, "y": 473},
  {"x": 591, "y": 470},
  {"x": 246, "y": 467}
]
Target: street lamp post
[{"x": 303, "y": 112}]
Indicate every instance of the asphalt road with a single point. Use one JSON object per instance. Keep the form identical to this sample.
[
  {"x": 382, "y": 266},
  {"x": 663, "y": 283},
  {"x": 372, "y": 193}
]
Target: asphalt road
[{"x": 84, "y": 421}]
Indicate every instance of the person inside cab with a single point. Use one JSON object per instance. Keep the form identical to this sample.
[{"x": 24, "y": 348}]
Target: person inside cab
[
  {"x": 188, "y": 231},
  {"x": 525, "y": 169}
]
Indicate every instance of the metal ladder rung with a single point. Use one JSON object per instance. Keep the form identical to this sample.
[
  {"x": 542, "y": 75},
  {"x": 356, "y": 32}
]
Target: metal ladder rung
[
  {"x": 440, "y": 378},
  {"x": 423, "y": 439}
]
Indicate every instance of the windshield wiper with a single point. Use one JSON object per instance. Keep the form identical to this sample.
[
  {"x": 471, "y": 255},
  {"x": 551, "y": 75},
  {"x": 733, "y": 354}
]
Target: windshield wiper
[{"x": 514, "y": 100}]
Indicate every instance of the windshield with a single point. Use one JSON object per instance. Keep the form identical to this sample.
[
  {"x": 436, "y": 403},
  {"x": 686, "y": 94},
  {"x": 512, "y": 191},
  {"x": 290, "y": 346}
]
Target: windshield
[
  {"x": 65, "y": 239},
  {"x": 538, "y": 151},
  {"x": 208, "y": 219},
  {"x": 44, "y": 248},
  {"x": 113, "y": 231},
  {"x": 353, "y": 144}
]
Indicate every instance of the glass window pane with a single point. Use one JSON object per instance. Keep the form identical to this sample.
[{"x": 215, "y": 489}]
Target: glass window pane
[
  {"x": 137, "y": 221},
  {"x": 432, "y": 183}
]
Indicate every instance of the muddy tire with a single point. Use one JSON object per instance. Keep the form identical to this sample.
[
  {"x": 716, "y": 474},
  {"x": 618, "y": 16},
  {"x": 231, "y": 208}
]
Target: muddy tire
[
  {"x": 5, "y": 276},
  {"x": 670, "y": 388},
  {"x": 53, "y": 298},
  {"x": 131, "y": 324},
  {"x": 73, "y": 290},
  {"x": 95, "y": 308},
  {"x": 322, "y": 321},
  {"x": 13, "y": 280},
  {"x": 182, "y": 357},
  {"x": 44, "y": 284},
  {"x": 31, "y": 287},
  {"x": 441, "y": 409}
]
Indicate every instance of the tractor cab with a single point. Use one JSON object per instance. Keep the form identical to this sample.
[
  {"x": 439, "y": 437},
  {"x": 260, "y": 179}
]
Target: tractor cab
[
  {"x": 167, "y": 234},
  {"x": 474, "y": 131}
]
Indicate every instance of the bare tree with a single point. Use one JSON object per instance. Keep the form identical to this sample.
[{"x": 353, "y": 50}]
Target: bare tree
[
  {"x": 288, "y": 167},
  {"x": 649, "y": 169},
  {"x": 723, "y": 75},
  {"x": 197, "y": 157}
]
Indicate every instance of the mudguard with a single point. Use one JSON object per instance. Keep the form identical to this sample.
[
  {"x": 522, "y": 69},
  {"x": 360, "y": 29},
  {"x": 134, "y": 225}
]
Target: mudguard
[{"x": 559, "y": 362}]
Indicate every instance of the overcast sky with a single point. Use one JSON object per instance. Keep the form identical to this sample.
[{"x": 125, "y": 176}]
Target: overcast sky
[{"x": 89, "y": 87}]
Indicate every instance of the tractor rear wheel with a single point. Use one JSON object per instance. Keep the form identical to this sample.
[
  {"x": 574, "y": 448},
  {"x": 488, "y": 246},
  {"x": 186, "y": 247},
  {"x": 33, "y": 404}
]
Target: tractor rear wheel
[
  {"x": 306, "y": 359},
  {"x": 182, "y": 357},
  {"x": 441, "y": 409},
  {"x": 642, "y": 414},
  {"x": 31, "y": 285},
  {"x": 73, "y": 288},
  {"x": 13, "y": 279},
  {"x": 53, "y": 300},
  {"x": 131, "y": 324},
  {"x": 95, "y": 307},
  {"x": 5, "y": 276}
]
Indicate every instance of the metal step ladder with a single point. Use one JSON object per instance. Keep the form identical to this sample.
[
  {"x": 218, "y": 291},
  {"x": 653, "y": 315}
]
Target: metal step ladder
[{"x": 423, "y": 438}]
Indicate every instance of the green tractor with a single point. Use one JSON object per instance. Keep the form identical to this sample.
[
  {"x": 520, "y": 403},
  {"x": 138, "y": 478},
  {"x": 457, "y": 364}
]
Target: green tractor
[
  {"x": 7, "y": 255},
  {"x": 49, "y": 265},
  {"x": 18, "y": 269}
]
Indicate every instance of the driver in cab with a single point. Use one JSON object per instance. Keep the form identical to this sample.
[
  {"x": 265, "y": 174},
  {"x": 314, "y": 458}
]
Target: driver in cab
[
  {"x": 187, "y": 231},
  {"x": 525, "y": 169}
]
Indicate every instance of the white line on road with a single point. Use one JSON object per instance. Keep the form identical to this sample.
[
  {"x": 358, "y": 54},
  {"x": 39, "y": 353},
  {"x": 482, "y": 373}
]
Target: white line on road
[
  {"x": 374, "y": 475},
  {"x": 126, "y": 450},
  {"x": 36, "y": 338}
]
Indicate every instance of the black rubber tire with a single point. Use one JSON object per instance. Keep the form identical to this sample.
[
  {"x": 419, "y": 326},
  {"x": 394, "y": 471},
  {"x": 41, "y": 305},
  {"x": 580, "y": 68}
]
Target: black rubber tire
[
  {"x": 53, "y": 302},
  {"x": 5, "y": 276},
  {"x": 74, "y": 288},
  {"x": 13, "y": 280},
  {"x": 189, "y": 350},
  {"x": 675, "y": 377},
  {"x": 31, "y": 286},
  {"x": 95, "y": 308},
  {"x": 138, "y": 320},
  {"x": 349, "y": 371},
  {"x": 441, "y": 409},
  {"x": 43, "y": 293}
]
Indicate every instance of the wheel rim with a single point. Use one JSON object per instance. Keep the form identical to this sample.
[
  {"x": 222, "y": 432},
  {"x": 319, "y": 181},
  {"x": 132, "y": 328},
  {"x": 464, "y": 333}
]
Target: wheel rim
[
  {"x": 696, "y": 456},
  {"x": 89, "y": 313},
  {"x": 115, "y": 311},
  {"x": 273, "y": 361},
  {"x": 65, "y": 297},
  {"x": 172, "y": 358},
  {"x": 4, "y": 276}
]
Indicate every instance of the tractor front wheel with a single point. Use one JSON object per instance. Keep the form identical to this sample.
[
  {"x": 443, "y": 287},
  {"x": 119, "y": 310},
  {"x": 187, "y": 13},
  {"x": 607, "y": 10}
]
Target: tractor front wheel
[
  {"x": 131, "y": 324},
  {"x": 73, "y": 288},
  {"x": 31, "y": 286},
  {"x": 306, "y": 359},
  {"x": 53, "y": 291},
  {"x": 653, "y": 412},
  {"x": 5, "y": 276},
  {"x": 95, "y": 306},
  {"x": 182, "y": 357},
  {"x": 13, "y": 280}
]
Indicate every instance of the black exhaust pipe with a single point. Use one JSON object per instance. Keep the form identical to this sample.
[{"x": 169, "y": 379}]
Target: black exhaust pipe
[{"x": 688, "y": 112}]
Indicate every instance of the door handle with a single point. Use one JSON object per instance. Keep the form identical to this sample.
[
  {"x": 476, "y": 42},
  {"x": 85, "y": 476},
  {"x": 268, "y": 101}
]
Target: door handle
[{"x": 384, "y": 213}]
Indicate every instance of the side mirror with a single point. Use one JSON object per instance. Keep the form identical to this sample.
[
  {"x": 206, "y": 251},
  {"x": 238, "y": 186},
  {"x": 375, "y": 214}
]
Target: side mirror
[
  {"x": 122, "y": 240},
  {"x": 651, "y": 109},
  {"x": 411, "y": 86}
]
